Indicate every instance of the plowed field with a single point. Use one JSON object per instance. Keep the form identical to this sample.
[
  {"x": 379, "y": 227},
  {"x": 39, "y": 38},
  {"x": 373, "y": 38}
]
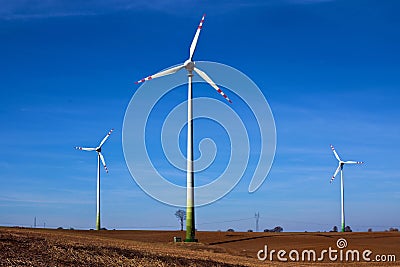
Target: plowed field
[{"x": 45, "y": 247}]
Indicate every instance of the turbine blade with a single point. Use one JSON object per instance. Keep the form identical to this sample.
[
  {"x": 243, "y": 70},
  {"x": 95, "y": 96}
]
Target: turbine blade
[
  {"x": 353, "y": 162},
  {"x": 162, "y": 73},
  {"x": 105, "y": 138},
  {"x": 103, "y": 161},
  {"x": 196, "y": 38},
  {"x": 336, "y": 154},
  {"x": 208, "y": 79},
  {"x": 334, "y": 175},
  {"x": 85, "y": 148}
]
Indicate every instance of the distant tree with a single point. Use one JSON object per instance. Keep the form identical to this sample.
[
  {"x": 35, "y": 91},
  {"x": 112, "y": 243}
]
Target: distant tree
[
  {"x": 277, "y": 229},
  {"x": 230, "y": 230},
  {"x": 334, "y": 229},
  {"x": 348, "y": 229},
  {"x": 392, "y": 229},
  {"x": 249, "y": 230},
  {"x": 60, "y": 228},
  {"x": 181, "y": 215},
  {"x": 369, "y": 229}
]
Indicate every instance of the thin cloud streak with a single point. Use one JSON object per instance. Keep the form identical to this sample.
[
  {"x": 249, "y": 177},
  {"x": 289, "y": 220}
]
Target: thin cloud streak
[
  {"x": 31, "y": 200},
  {"x": 40, "y": 9}
]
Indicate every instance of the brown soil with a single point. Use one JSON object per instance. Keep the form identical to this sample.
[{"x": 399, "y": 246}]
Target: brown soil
[{"x": 45, "y": 247}]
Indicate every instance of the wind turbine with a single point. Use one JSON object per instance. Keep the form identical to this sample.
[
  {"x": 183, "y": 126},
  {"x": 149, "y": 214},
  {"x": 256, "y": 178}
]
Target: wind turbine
[
  {"x": 340, "y": 168},
  {"x": 189, "y": 65},
  {"x": 99, "y": 157}
]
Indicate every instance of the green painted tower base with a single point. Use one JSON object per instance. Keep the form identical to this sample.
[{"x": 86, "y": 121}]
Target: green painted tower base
[
  {"x": 98, "y": 222},
  {"x": 190, "y": 228}
]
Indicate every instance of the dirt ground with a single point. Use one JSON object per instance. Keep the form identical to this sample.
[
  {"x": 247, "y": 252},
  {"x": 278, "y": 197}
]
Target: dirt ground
[{"x": 46, "y": 247}]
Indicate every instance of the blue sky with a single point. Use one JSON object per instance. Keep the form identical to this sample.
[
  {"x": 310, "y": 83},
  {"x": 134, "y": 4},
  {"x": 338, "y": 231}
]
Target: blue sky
[{"x": 329, "y": 70}]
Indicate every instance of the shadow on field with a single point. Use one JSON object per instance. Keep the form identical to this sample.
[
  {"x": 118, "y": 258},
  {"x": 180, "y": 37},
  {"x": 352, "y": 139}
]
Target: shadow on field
[{"x": 236, "y": 240}]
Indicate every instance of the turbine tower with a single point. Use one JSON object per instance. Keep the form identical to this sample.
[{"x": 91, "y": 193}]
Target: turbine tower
[
  {"x": 340, "y": 168},
  {"x": 99, "y": 158},
  {"x": 257, "y": 216},
  {"x": 189, "y": 65}
]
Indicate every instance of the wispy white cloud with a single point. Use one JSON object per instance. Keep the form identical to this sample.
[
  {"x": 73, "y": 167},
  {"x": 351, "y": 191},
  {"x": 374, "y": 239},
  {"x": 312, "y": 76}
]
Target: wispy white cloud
[
  {"x": 308, "y": 1},
  {"x": 34, "y": 9},
  {"x": 34, "y": 200},
  {"x": 37, "y": 9}
]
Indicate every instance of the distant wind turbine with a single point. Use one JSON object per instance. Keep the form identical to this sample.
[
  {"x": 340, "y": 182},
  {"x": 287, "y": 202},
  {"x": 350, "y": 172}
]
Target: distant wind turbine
[
  {"x": 340, "y": 168},
  {"x": 99, "y": 158},
  {"x": 189, "y": 65}
]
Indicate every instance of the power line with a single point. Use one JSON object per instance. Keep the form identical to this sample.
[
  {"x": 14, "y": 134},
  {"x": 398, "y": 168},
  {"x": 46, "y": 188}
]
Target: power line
[{"x": 237, "y": 220}]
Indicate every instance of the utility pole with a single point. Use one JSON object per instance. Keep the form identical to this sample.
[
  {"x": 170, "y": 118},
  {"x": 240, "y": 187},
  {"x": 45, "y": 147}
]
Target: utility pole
[
  {"x": 34, "y": 222},
  {"x": 257, "y": 216}
]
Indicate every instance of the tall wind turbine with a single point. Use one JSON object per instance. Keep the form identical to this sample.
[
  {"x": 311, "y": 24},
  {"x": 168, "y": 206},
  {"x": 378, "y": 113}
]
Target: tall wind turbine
[
  {"x": 189, "y": 65},
  {"x": 340, "y": 168},
  {"x": 99, "y": 158}
]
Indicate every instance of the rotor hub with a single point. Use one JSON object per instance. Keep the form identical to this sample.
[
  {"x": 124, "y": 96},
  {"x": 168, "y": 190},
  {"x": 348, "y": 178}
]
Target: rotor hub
[{"x": 189, "y": 65}]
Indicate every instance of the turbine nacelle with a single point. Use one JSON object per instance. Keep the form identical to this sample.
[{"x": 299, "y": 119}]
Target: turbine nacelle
[{"x": 189, "y": 65}]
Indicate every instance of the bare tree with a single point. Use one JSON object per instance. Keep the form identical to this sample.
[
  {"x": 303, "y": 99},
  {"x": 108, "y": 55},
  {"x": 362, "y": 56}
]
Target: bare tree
[
  {"x": 277, "y": 229},
  {"x": 348, "y": 229},
  {"x": 181, "y": 215}
]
